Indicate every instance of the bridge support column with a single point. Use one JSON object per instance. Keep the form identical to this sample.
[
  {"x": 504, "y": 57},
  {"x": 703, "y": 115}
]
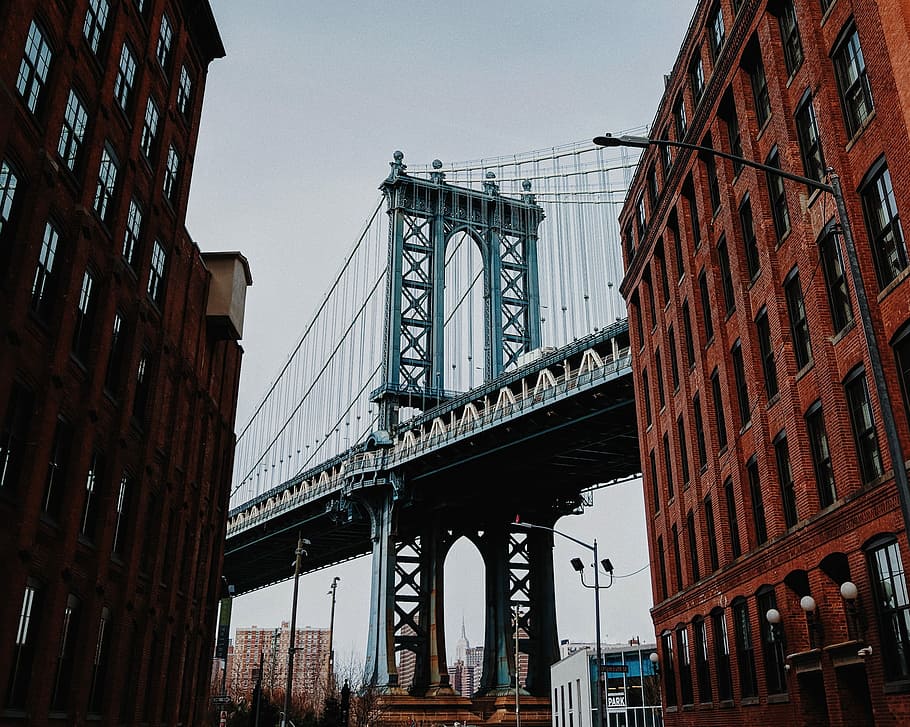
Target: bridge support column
[
  {"x": 498, "y": 647},
  {"x": 435, "y": 540},
  {"x": 381, "y": 670},
  {"x": 543, "y": 646}
]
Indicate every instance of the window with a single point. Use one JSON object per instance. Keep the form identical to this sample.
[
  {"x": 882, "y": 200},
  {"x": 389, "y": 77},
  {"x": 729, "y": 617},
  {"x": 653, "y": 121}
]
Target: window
[
  {"x": 799, "y": 325},
  {"x": 759, "y": 84},
  {"x": 674, "y": 365},
  {"x": 785, "y": 477},
  {"x": 14, "y": 436},
  {"x": 753, "y": 263},
  {"x": 90, "y": 506},
  {"x": 721, "y": 655},
  {"x": 884, "y": 225},
  {"x": 852, "y": 81},
  {"x": 122, "y": 515},
  {"x": 72, "y": 132},
  {"x": 95, "y": 21},
  {"x": 85, "y": 317},
  {"x": 773, "y": 643},
  {"x": 726, "y": 277},
  {"x": 131, "y": 235},
  {"x": 662, "y": 565},
  {"x": 45, "y": 274},
  {"x": 165, "y": 36},
  {"x": 676, "y": 557},
  {"x": 727, "y": 112},
  {"x": 24, "y": 647},
  {"x": 55, "y": 480},
  {"x": 745, "y": 654},
  {"x": 769, "y": 366},
  {"x": 870, "y": 459},
  {"x": 652, "y": 187},
  {"x": 685, "y": 665},
  {"x": 810, "y": 145},
  {"x": 34, "y": 67},
  {"x": 669, "y": 669},
  {"x": 789, "y": 35},
  {"x": 835, "y": 280},
  {"x": 705, "y": 304},
  {"x": 683, "y": 450},
  {"x": 64, "y": 666},
  {"x": 732, "y": 522},
  {"x": 821, "y": 455},
  {"x": 666, "y": 153},
  {"x": 171, "y": 174},
  {"x": 777, "y": 195},
  {"x": 742, "y": 391},
  {"x": 720, "y": 425},
  {"x": 664, "y": 274},
  {"x": 156, "y": 274},
  {"x": 673, "y": 227},
  {"x": 659, "y": 372},
  {"x": 652, "y": 306},
  {"x": 679, "y": 118},
  {"x": 99, "y": 665},
  {"x": 629, "y": 241},
  {"x": 107, "y": 184},
  {"x": 711, "y": 532},
  {"x": 143, "y": 386},
  {"x": 697, "y": 79},
  {"x": 641, "y": 219},
  {"x": 149, "y": 129},
  {"x": 184, "y": 92},
  {"x": 716, "y": 32},
  {"x": 892, "y": 606},
  {"x": 710, "y": 163},
  {"x": 700, "y": 432},
  {"x": 688, "y": 191},
  {"x": 687, "y": 332},
  {"x": 126, "y": 74},
  {"x": 637, "y": 314},
  {"x": 701, "y": 660},
  {"x": 668, "y": 467},
  {"x": 646, "y": 393},
  {"x": 655, "y": 484},
  {"x": 115, "y": 358},
  {"x": 758, "y": 505},
  {"x": 8, "y": 184},
  {"x": 692, "y": 539},
  {"x": 825, "y": 4}
]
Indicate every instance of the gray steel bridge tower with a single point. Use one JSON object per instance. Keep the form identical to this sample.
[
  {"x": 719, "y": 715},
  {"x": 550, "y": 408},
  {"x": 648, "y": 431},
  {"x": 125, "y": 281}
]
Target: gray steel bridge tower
[{"x": 410, "y": 537}]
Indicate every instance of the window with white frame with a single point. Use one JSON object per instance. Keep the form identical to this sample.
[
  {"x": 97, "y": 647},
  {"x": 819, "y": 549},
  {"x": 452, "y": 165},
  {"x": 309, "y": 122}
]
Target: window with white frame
[
  {"x": 42, "y": 284},
  {"x": 95, "y": 22},
  {"x": 33, "y": 69},
  {"x": 149, "y": 128},
  {"x": 131, "y": 235},
  {"x": 171, "y": 173},
  {"x": 75, "y": 119},
  {"x": 156, "y": 274},
  {"x": 107, "y": 184},
  {"x": 184, "y": 91},
  {"x": 165, "y": 37},
  {"x": 126, "y": 75}
]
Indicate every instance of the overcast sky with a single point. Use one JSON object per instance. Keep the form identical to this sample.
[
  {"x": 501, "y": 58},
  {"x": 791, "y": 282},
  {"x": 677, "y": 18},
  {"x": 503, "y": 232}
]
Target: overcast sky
[{"x": 299, "y": 123}]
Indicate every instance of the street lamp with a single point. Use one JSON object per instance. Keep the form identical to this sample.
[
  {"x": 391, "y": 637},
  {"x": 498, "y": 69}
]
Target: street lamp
[
  {"x": 579, "y": 566},
  {"x": 330, "y": 685},
  {"x": 298, "y": 554},
  {"x": 834, "y": 188}
]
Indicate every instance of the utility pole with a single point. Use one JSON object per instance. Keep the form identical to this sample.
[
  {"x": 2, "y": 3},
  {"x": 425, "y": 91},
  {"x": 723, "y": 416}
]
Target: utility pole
[
  {"x": 298, "y": 554},
  {"x": 330, "y": 682}
]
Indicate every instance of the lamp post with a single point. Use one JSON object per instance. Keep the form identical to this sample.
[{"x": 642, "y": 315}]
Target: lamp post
[
  {"x": 298, "y": 555},
  {"x": 331, "y": 677},
  {"x": 862, "y": 301},
  {"x": 579, "y": 566}
]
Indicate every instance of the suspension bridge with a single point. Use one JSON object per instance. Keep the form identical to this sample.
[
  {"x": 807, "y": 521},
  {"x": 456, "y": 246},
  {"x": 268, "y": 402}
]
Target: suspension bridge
[{"x": 469, "y": 362}]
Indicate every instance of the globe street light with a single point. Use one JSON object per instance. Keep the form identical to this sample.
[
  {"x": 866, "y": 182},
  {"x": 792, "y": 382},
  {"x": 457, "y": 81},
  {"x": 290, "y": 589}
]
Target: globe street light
[
  {"x": 579, "y": 566},
  {"x": 834, "y": 188}
]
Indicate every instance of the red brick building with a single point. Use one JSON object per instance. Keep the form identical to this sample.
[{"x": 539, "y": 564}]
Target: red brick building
[
  {"x": 768, "y": 480},
  {"x": 119, "y": 365}
]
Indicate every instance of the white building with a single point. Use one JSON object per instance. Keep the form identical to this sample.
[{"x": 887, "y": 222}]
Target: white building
[{"x": 630, "y": 687}]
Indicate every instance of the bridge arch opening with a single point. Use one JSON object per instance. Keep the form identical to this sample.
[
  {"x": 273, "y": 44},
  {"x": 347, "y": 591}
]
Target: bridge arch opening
[
  {"x": 464, "y": 605},
  {"x": 464, "y": 323}
]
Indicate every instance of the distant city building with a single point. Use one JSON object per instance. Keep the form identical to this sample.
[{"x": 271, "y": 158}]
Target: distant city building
[
  {"x": 407, "y": 661},
  {"x": 119, "y": 365},
  {"x": 630, "y": 689},
  {"x": 311, "y": 659},
  {"x": 773, "y": 463}
]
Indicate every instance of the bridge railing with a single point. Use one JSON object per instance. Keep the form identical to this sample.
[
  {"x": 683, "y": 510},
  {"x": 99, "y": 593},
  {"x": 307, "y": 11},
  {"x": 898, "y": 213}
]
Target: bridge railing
[{"x": 423, "y": 434}]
